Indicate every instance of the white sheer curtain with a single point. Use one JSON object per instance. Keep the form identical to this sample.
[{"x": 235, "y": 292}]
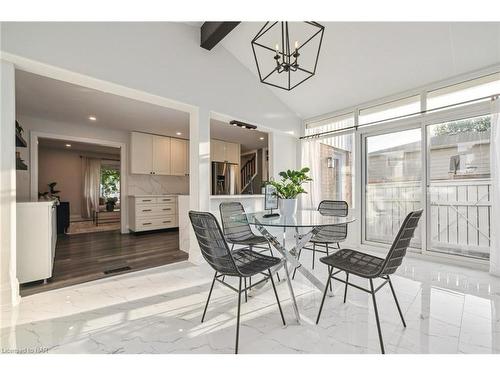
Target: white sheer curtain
[
  {"x": 91, "y": 184},
  {"x": 311, "y": 158},
  {"x": 495, "y": 183}
]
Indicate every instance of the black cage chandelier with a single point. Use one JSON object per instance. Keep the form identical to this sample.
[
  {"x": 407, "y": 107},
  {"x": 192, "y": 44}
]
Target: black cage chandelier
[{"x": 283, "y": 64}]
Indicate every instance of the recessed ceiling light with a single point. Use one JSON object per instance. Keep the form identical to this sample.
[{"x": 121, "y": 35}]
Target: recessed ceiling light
[
  {"x": 261, "y": 138},
  {"x": 68, "y": 145},
  {"x": 92, "y": 118},
  {"x": 178, "y": 133}
]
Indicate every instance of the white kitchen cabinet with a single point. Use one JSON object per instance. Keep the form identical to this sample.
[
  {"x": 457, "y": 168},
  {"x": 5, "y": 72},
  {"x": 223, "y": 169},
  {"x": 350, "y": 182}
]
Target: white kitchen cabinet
[
  {"x": 179, "y": 157},
  {"x": 152, "y": 212},
  {"x": 36, "y": 240},
  {"x": 217, "y": 150},
  {"x": 233, "y": 152},
  {"x": 161, "y": 155},
  {"x": 158, "y": 155},
  {"x": 224, "y": 151},
  {"x": 141, "y": 153}
]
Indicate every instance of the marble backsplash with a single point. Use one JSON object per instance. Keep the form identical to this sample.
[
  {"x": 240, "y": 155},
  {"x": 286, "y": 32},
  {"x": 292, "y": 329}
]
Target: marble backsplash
[{"x": 146, "y": 184}]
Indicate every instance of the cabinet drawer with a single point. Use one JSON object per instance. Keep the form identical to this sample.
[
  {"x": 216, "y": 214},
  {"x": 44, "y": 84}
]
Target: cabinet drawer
[
  {"x": 155, "y": 210},
  {"x": 167, "y": 200},
  {"x": 156, "y": 223},
  {"x": 145, "y": 200}
]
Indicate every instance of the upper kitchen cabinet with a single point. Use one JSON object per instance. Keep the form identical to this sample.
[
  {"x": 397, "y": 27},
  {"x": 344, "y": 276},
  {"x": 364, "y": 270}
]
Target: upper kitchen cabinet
[
  {"x": 141, "y": 153},
  {"x": 224, "y": 151},
  {"x": 161, "y": 155},
  {"x": 158, "y": 155},
  {"x": 179, "y": 151}
]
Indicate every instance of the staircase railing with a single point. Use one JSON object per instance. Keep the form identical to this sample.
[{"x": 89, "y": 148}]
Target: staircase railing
[{"x": 248, "y": 174}]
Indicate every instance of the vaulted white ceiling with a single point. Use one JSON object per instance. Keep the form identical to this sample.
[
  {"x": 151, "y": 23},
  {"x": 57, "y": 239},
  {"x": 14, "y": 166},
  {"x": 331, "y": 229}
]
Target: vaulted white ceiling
[{"x": 360, "y": 62}]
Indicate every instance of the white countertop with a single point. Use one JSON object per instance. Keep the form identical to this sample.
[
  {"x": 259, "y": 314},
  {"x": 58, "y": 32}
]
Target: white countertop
[
  {"x": 240, "y": 196},
  {"x": 47, "y": 203}
]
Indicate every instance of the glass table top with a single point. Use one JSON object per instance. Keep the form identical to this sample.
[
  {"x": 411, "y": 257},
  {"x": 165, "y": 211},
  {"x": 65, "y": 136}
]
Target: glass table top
[{"x": 303, "y": 218}]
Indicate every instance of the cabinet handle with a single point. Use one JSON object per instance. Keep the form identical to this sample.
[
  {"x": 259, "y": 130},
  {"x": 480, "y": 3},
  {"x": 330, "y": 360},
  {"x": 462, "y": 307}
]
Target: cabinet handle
[
  {"x": 146, "y": 200},
  {"x": 165, "y": 222},
  {"x": 146, "y": 223},
  {"x": 166, "y": 209},
  {"x": 146, "y": 210}
]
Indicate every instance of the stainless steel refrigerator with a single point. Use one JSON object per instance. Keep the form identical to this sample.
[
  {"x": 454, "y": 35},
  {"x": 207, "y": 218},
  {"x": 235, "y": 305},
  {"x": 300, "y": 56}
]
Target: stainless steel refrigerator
[{"x": 224, "y": 178}]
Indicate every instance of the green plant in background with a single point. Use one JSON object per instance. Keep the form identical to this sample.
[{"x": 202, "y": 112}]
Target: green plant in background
[
  {"x": 291, "y": 182},
  {"x": 110, "y": 182}
]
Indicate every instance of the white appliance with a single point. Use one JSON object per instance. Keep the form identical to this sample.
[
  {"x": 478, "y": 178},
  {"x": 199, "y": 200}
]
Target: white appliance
[{"x": 36, "y": 240}]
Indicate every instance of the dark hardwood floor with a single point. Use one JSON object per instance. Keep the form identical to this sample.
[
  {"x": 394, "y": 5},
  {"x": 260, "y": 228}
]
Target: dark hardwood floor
[{"x": 91, "y": 256}]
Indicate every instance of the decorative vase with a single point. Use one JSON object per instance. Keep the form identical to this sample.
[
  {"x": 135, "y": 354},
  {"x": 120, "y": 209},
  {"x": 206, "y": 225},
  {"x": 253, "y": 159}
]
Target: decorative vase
[
  {"x": 288, "y": 207},
  {"x": 110, "y": 207}
]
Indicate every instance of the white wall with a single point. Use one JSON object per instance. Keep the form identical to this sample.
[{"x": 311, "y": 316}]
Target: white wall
[{"x": 9, "y": 289}]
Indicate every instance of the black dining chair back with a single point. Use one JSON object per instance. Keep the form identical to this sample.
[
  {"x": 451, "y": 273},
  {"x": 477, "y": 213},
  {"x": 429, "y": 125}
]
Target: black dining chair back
[
  {"x": 212, "y": 244},
  {"x": 401, "y": 243},
  {"x": 234, "y": 231}
]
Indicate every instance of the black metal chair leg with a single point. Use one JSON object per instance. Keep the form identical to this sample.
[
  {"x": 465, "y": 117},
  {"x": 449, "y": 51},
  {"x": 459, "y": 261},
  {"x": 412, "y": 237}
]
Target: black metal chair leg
[
  {"x": 277, "y": 299},
  {"x": 271, "y": 251},
  {"x": 397, "y": 303},
  {"x": 376, "y": 317},
  {"x": 246, "y": 297},
  {"x": 314, "y": 253},
  {"x": 324, "y": 294},
  {"x": 208, "y": 299},
  {"x": 346, "y": 283},
  {"x": 327, "y": 254},
  {"x": 238, "y": 319}
]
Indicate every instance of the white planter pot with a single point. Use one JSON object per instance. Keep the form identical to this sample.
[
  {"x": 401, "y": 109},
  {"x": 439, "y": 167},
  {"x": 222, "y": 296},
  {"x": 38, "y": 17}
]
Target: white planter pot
[{"x": 288, "y": 207}]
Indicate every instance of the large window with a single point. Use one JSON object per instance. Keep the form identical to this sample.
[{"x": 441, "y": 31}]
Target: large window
[
  {"x": 449, "y": 178},
  {"x": 460, "y": 187},
  {"x": 393, "y": 176}
]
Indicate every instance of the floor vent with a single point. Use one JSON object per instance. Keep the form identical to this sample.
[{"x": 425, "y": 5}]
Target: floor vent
[{"x": 116, "y": 270}]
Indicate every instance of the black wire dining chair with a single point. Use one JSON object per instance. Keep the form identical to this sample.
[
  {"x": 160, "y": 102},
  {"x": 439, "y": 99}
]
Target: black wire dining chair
[
  {"x": 239, "y": 232},
  {"x": 240, "y": 263},
  {"x": 371, "y": 267},
  {"x": 329, "y": 235}
]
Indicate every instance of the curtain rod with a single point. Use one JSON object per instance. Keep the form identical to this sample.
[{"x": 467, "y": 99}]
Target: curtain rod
[{"x": 355, "y": 127}]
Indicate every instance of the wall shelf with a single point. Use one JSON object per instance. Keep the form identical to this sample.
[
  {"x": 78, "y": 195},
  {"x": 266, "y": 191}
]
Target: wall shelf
[
  {"x": 20, "y": 141},
  {"x": 20, "y": 166}
]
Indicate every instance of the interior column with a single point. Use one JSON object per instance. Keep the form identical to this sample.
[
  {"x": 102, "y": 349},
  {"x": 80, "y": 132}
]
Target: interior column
[{"x": 9, "y": 286}]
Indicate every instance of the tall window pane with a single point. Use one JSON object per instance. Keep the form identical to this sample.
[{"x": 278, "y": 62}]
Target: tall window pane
[
  {"x": 460, "y": 187},
  {"x": 337, "y": 156},
  {"x": 333, "y": 160},
  {"x": 393, "y": 183}
]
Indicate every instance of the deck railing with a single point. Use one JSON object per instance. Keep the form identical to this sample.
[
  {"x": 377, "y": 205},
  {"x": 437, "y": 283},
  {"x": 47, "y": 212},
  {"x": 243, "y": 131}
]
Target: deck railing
[{"x": 460, "y": 213}]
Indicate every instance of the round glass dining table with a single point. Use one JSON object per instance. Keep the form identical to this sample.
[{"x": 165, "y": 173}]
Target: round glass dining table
[{"x": 308, "y": 221}]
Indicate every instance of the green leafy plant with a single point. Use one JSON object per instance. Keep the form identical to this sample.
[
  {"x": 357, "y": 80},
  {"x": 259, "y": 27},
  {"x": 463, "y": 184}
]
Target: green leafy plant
[
  {"x": 291, "y": 182},
  {"x": 110, "y": 182}
]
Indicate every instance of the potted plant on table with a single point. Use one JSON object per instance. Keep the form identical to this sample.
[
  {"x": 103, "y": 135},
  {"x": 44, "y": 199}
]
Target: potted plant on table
[
  {"x": 289, "y": 187},
  {"x": 110, "y": 204}
]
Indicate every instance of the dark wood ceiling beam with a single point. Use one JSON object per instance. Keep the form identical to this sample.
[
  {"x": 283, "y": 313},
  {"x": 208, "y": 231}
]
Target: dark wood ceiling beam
[{"x": 213, "y": 32}]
